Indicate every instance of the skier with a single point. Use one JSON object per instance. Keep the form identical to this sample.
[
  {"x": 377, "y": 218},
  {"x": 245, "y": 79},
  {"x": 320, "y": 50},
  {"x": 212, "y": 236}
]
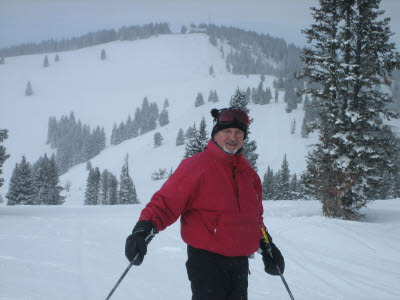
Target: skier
[{"x": 218, "y": 196}]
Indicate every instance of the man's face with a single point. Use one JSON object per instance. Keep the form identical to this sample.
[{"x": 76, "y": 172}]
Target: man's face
[{"x": 229, "y": 139}]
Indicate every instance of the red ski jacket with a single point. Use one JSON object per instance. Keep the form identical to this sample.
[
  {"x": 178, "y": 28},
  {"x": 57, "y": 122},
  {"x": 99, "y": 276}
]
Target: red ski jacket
[{"x": 218, "y": 197}]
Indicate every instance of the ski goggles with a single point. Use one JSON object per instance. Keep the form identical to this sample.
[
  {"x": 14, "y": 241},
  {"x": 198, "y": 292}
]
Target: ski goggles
[{"x": 229, "y": 115}]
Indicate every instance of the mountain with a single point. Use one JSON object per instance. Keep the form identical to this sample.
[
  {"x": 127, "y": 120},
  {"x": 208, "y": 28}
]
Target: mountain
[
  {"x": 104, "y": 92},
  {"x": 74, "y": 251}
]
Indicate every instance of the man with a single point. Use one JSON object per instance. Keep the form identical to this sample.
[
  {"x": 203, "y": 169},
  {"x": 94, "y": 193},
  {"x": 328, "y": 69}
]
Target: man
[{"x": 218, "y": 196}]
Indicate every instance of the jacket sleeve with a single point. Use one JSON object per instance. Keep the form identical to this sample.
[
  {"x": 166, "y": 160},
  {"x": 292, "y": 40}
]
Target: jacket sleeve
[
  {"x": 258, "y": 188},
  {"x": 167, "y": 204}
]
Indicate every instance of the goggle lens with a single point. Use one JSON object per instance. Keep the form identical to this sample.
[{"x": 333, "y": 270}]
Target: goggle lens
[{"x": 229, "y": 115}]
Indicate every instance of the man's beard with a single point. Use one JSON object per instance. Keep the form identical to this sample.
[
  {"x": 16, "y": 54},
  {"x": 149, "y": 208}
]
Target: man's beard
[{"x": 230, "y": 151}]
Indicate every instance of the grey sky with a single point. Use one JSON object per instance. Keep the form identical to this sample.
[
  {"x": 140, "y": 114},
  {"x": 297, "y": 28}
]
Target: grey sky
[{"x": 35, "y": 20}]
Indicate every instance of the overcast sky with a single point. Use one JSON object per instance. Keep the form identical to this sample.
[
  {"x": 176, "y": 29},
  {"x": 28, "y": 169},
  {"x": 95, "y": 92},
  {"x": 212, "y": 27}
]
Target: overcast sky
[{"x": 36, "y": 20}]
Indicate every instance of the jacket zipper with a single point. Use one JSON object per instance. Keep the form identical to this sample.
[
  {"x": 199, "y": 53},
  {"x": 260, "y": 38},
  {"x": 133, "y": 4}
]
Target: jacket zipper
[{"x": 235, "y": 184}]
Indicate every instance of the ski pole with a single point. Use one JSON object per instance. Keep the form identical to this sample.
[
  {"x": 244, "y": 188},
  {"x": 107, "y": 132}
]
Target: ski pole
[
  {"x": 279, "y": 270},
  {"x": 147, "y": 241}
]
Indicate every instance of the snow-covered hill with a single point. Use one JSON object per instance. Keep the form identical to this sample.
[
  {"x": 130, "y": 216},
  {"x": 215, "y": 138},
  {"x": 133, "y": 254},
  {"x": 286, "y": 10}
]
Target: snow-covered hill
[
  {"x": 76, "y": 252},
  {"x": 103, "y": 92}
]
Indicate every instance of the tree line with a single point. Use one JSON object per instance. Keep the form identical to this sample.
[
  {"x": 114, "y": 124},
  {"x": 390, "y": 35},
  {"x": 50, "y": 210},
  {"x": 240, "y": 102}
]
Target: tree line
[
  {"x": 36, "y": 184},
  {"x": 103, "y": 188},
  {"x": 75, "y": 143},
  {"x": 125, "y": 33},
  {"x": 145, "y": 120}
]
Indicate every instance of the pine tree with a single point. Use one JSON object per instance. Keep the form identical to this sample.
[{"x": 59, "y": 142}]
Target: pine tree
[
  {"x": 28, "y": 89},
  {"x": 46, "y": 62},
  {"x": 127, "y": 191},
  {"x": 239, "y": 100},
  {"x": 22, "y": 189},
  {"x": 180, "y": 139},
  {"x": 158, "y": 139},
  {"x": 2, "y": 60},
  {"x": 113, "y": 190},
  {"x": 3, "y": 155},
  {"x": 276, "y": 95},
  {"x": 92, "y": 192},
  {"x": 198, "y": 141},
  {"x": 211, "y": 70},
  {"x": 103, "y": 54},
  {"x": 293, "y": 126},
  {"x": 190, "y": 132},
  {"x": 163, "y": 120},
  {"x": 283, "y": 182},
  {"x": 166, "y": 104},
  {"x": 268, "y": 185},
  {"x": 56, "y": 58},
  {"x": 46, "y": 182},
  {"x": 105, "y": 187},
  {"x": 199, "y": 100},
  {"x": 349, "y": 61},
  {"x": 294, "y": 187}
]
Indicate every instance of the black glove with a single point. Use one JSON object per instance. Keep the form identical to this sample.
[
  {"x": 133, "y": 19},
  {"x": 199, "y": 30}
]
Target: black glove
[
  {"x": 271, "y": 256},
  {"x": 136, "y": 243}
]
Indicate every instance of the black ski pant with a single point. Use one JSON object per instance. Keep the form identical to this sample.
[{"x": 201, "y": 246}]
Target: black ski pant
[{"x": 217, "y": 277}]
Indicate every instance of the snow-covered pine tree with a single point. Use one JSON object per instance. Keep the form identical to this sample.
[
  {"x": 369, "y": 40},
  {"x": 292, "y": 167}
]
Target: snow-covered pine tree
[
  {"x": 22, "y": 189},
  {"x": 57, "y": 58},
  {"x": 3, "y": 154},
  {"x": 46, "y": 182},
  {"x": 28, "y": 89},
  {"x": 92, "y": 193},
  {"x": 127, "y": 191},
  {"x": 189, "y": 132},
  {"x": 163, "y": 120},
  {"x": 348, "y": 62},
  {"x": 283, "y": 182},
  {"x": 203, "y": 135},
  {"x": 294, "y": 187},
  {"x": 199, "y": 100},
  {"x": 46, "y": 62},
  {"x": 166, "y": 103},
  {"x": 268, "y": 185},
  {"x": 2, "y": 60},
  {"x": 198, "y": 141},
  {"x": 290, "y": 97},
  {"x": 158, "y": 139},
  {"x": 308, "y": 118},
  {"x": 113, "y": 190},
  {"x": 105, "y": 187},
  {"x": 180, "y": 139},
  {"x": 240, "y": 101},
  {"x": 154, "y": 115}
]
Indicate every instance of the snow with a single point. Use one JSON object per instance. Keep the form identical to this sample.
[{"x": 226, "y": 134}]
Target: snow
[{"x": 77, "y": 252}]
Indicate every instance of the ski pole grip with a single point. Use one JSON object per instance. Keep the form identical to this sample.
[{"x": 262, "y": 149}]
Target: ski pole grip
[{"x": 265, "y": 235}]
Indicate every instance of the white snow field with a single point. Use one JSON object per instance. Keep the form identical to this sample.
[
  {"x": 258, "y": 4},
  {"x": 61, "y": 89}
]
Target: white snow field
[{"x": 77, "y": 252}]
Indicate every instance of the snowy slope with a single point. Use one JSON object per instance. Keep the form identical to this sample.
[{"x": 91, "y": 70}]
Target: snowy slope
[
  {"x": 72, "y": 252},
  {"x": 76, "y": 252},
  {"x": 103, "y": 92}
]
